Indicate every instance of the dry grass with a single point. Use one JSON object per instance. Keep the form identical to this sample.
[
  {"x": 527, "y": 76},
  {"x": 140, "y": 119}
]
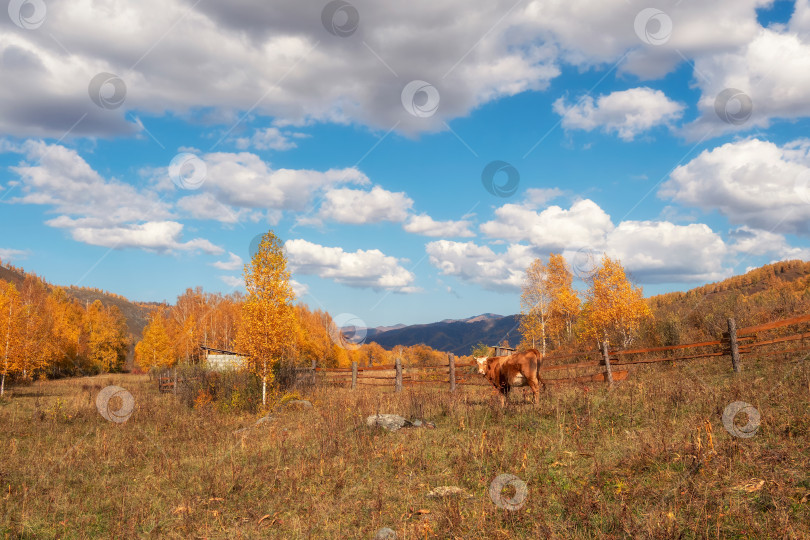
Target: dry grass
[{"x": 649, "y": 459}]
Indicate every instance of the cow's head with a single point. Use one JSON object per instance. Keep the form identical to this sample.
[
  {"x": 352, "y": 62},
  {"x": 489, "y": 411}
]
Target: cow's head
[{"x": 482, "y": 364}]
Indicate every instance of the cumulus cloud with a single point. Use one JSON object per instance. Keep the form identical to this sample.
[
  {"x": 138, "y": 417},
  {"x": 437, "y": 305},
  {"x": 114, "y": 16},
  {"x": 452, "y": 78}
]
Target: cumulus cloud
[
  {"x": 159, "y": 236},
  {"x": 206, "y": 206},
  {"x": 361, "y": 268},
  {"x": 749, "y": 241},
  {"x": 627, "y": 113},
  {"x": 772, "y": 70},
  {"x": 96, "y": 210},
  {"x": 244, "y": 56},
  {"x": 752, "y": 182},
  {"x": 427, "y": 226},
  {"x": 653, "y": 251},
  {"x": 234, "y": 262},
  {"x": 554, "y": 228},
  {"x": 245, "y": 180},
  {"x": 356, "y": 206},
  {"x": 662, "y": 252},
  {"x": 57, "y": 176},
  {"x": 480, "y": 264}
]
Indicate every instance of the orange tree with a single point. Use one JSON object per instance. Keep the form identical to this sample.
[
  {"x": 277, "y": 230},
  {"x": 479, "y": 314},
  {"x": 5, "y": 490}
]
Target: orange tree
[
  {"x": 614, "y": 309},
  {"x": 107, "y": 340},
  {"x": 268, "y": 324},
  {"x": 155, "y": 348}
]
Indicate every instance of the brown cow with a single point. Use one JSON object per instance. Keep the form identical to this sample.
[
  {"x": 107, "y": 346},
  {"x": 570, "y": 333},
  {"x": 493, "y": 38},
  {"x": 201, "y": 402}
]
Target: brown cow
[{"x": 515, "y": 370}]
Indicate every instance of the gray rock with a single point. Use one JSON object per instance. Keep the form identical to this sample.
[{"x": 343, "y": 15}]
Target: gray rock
[
  {"x": 264, "y": 420},
  {"x": 385, "y": 534},
  {"x": 391, "y": 422},
  {"x": 299, "y": 403}
]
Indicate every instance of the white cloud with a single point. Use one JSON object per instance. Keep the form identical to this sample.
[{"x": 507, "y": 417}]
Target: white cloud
[
  {"x": 553, "y": 229},
  {"x": 773, "y": 70},
  {"x": 540, "y": 196},
  {"x": 160, "y": 236},
  {"x": 480, "y": 264},
  {"x": 206, "y": 206},
  {"x": 234, "y": 262},
  {"x": 96, "y": 210},
  {"x": 300, "y": 289},
  {"x": 653, "y": 251},
  {"x": 748, "y": 241},
  {"x": 752, "y": 182},
  {"x": 57, "y": 176},
  {"x": 361, "y": 268},
  {"x": 8, "y": 254},
  {"x": 270, "y": 138},
  {"x": 234, "y": 282},
  {"x": 241, "y": 56},
  {"x": 425, "y": 225},
  {"x": 356, "y": 206},
  {"x": 662, "y": 252},
  {"x": 627, "y": 113},
  {"x": 244, "y": 180}
]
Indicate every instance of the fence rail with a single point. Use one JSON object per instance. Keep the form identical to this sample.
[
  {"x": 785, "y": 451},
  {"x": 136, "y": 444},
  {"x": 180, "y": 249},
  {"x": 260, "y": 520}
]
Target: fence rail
[
  {"x": 733, "y": 343},
  {"x": 757, "y": 339}
]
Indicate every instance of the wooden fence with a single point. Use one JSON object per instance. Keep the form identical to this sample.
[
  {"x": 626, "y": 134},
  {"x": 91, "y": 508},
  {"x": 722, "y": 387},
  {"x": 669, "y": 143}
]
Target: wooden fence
[
  {"x": 169, "y": 381},
  {"x": 557, "y": 369}
]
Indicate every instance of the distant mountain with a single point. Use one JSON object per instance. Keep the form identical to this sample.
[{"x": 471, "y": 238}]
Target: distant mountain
[
  {"x": 457, "y": 336},
  {"x": 368, "y": 333}
]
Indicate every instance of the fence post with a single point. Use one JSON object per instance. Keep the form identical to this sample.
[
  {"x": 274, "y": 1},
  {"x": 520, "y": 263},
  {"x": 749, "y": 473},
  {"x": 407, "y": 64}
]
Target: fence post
[
  {"x": 314, "y": 369},
  {"x": 354, "y": 375},
  {"x": 398, "y": 380},
  {"x": 606, "y": 356},
  {"x": 451, "y": 358},
  {"x": 732, "y": 338}
]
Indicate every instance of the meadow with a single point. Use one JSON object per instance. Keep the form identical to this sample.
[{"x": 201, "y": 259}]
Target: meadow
[{"x": 649, "y": 458}]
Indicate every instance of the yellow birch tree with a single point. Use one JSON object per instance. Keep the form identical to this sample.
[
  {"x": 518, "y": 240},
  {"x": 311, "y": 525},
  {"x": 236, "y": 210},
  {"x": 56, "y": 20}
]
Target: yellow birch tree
[
  {"x": 565, "y": 304},
  {"x": 614, "y": 309},
  {"x": 268, "y": 319},
  {"x": 10, "y": 322},
  {"x": 535, "y": 300}
]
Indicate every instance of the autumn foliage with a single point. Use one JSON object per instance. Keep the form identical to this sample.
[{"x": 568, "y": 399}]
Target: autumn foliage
[
  {"x": 614, "y": 309},
  {"x": 44, "y": 331},
  {"x": 268, "y": 318}
]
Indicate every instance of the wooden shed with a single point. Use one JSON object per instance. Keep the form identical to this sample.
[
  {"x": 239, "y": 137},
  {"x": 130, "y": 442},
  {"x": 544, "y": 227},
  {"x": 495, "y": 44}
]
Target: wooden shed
[
  {"x": 221, "y": 360},
  {"x": 501, "y": 350}
]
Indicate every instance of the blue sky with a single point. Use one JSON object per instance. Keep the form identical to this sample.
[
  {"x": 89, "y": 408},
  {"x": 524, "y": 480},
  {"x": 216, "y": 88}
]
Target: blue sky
[{"x": 144, "y": 146}]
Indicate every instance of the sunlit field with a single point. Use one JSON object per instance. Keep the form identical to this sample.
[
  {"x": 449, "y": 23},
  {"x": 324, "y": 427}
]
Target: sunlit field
[{"x": 649, "y": 458}]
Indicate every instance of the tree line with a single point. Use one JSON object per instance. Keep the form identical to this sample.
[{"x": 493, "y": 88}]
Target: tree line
[
  {"x": 45, "y": 332},
  {"x": 612, "y": 310}
]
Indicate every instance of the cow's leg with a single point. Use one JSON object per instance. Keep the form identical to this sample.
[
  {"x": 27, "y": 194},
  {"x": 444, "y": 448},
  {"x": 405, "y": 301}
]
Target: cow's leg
[
  {"x": 504, "y": 396},
  {"x": 535, "y": 386}
]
